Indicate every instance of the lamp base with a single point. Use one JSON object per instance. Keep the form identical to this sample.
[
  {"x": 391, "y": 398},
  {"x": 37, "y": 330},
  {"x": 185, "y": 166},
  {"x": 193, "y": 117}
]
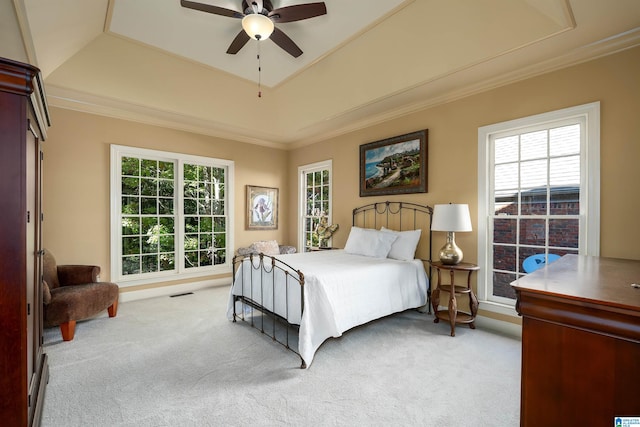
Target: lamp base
[{"x": 450, "y": 254}]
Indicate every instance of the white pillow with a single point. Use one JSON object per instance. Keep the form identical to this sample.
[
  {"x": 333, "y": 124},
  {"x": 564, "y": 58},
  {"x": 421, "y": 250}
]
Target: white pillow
[
  {"x": 404, "y": 248},
  {"x": 369, "y": 242},
  {"x": 267, "y": 247}
]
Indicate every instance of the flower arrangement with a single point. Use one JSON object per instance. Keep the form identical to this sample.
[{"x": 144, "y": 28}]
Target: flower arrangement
[{"x": 324, "y": 231}]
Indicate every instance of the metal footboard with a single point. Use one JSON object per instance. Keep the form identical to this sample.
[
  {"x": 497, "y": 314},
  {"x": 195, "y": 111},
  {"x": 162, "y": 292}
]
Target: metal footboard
[
  {"x": 398, "y": 216},
  {"x": 262, "y": 275}
]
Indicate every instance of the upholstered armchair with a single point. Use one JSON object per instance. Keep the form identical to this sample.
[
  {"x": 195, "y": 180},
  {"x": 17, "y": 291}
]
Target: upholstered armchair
[
  {"x": 72, "y": 293},
  {"x": 267, "y": 247}
]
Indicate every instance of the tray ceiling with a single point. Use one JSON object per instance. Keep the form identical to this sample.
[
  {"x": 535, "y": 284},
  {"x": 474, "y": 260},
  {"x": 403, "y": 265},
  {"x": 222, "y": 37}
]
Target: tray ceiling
[
  {"x": 364, "y": 62},
  {"x": 204, "y": 37}
]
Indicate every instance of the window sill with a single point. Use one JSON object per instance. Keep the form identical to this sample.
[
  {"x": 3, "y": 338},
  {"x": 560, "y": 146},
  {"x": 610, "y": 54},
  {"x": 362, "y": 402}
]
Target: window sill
[
  {"x": 499, "y": 308},
  {"x": 125, "y": 282}
]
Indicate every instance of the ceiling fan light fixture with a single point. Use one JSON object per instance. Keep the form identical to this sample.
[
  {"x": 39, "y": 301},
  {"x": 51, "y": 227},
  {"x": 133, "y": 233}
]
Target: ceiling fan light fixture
[{"x": 257, "y": 26}]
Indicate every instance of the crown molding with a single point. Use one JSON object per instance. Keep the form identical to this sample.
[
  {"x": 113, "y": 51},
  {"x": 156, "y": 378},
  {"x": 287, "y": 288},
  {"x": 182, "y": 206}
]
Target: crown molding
[
  {"x": 88, "y": 103},
  {"x": 453, "y": 86},
  {"x": 445, "y": 89}
]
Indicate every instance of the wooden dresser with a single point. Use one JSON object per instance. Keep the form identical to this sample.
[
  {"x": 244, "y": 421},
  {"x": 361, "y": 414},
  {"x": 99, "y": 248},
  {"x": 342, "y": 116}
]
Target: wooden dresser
[
  {"x": 23, "y": 364},
  {"x": 580, "y": 342}
]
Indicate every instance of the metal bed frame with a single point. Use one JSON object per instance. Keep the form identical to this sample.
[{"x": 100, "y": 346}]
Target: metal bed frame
[{"x": 399, "y": 216}]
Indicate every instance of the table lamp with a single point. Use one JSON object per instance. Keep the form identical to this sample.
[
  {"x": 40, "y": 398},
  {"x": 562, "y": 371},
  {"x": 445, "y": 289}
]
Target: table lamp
[{"x": 451, "y": 218}]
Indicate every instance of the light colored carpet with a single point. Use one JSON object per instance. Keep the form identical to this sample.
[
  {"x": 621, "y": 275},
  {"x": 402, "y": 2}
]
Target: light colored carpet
[{"x": 179, "y": 362}]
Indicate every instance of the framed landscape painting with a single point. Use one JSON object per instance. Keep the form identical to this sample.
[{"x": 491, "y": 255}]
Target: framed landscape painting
[
  {"x": 395, "y": 165},
  {"x": 262, "y": 208}
]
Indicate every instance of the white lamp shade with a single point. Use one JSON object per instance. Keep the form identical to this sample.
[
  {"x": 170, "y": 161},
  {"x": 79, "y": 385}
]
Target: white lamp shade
[
  {"x": 451, "y": 218},
  {"x": 257, "y": 24}
]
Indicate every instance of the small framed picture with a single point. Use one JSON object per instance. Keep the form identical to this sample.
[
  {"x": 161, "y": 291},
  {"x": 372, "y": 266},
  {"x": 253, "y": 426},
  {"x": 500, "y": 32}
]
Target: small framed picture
[
  {"x": 262, "y": 208},
  {"x": 395, "y": 165}
]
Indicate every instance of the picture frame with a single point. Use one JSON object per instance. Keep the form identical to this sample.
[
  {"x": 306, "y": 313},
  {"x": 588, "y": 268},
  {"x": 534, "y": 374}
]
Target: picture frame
[
  {"x": 262, "y": 208},
  {"x": 396, "y": 165}
]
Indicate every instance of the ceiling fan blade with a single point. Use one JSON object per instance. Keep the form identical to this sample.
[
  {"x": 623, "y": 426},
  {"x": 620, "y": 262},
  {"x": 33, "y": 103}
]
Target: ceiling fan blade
[
  {"x": 298, "y": 12},
  {"x": 283, "y": 40},
  {"x": 211, "y": 9},
  {"x": 238, "y": 43}
]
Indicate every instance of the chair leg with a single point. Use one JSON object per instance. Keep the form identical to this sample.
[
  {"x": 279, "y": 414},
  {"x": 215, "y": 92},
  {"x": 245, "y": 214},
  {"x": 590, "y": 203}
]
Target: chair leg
[
  {"x": 68, "y": 330},
  {"x": 113, "y": 309}
]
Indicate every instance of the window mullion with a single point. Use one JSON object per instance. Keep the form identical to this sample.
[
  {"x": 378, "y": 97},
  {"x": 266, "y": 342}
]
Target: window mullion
[{"x": 179, "y": 217}]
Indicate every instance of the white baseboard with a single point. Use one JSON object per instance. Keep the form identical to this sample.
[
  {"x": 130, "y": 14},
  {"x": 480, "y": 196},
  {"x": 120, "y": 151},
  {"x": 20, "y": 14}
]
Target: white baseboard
[
  {"x": 488, "y": 323},
  {"x": 172, "y": 290},
  {"x": 507, "y": 328}
]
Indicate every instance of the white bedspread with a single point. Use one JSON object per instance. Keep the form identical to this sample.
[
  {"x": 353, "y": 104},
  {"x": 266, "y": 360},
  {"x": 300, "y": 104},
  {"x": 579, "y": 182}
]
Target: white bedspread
[{"x": 342, "y": 291}]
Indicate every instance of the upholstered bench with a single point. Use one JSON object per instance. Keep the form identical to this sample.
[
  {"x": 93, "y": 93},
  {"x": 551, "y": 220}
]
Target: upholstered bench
[{"x": 267, "y": 247}]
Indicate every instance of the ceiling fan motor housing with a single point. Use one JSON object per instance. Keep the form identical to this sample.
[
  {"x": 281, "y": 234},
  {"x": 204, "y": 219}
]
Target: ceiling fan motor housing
[
  {"x": 258, "y": 21},
  {"x": 248, "y": 7}
]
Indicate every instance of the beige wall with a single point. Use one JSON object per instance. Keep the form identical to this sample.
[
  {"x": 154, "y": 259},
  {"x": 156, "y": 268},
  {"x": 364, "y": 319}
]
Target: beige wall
[
  {"x": 12, "y": 46},
  {"x": 76, "y": 180},
  {"x": 76, "y": 175},
  {"x": 453, "y": 147}
]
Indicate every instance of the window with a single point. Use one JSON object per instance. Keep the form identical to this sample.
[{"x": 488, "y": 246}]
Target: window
[
  {"x": 315, "y": 201},
  {"x": 538, "y": 193},
  {"x": 170, "y": 214}
]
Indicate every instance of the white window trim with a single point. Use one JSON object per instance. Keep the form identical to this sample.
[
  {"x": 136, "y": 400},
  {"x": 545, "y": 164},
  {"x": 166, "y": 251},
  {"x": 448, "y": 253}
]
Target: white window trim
[
  {"x": 117, "y": 151},
  {"x": 302, "y": 183},
  {"x": 589, "y": 203}
]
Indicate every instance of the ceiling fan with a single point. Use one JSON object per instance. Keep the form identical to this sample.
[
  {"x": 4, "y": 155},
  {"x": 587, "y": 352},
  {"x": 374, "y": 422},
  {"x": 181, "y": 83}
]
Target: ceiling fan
[{"x": 258, "y": 21}]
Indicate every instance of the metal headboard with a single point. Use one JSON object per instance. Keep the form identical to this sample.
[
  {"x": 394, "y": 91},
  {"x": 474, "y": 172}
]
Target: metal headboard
[{"x": 400, "y": 216}]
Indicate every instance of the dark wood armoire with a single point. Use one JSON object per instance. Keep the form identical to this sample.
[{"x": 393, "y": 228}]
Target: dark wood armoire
[{"x": 24, "y": 119}]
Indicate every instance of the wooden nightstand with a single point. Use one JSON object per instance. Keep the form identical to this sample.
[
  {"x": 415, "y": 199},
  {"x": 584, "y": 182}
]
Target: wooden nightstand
[
  {"x": 317, "y": 248},
  {"x": 452, "y": 315}
]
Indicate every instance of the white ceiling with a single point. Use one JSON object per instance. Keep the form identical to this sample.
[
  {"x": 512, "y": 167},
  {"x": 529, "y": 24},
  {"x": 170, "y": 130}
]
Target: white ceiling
[
  {"x": 364, "y": 62},
  {"x": 204, "y": 37}
]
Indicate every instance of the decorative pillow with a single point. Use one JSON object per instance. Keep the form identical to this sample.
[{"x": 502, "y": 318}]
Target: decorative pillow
[
  {"x": 247, "y": 251},
  {"x": 404, "y": 248},
  {"x": 46, "y": 292},
  {"x": 267, "y": 247},
  {"x": 369, "y": 242}
]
